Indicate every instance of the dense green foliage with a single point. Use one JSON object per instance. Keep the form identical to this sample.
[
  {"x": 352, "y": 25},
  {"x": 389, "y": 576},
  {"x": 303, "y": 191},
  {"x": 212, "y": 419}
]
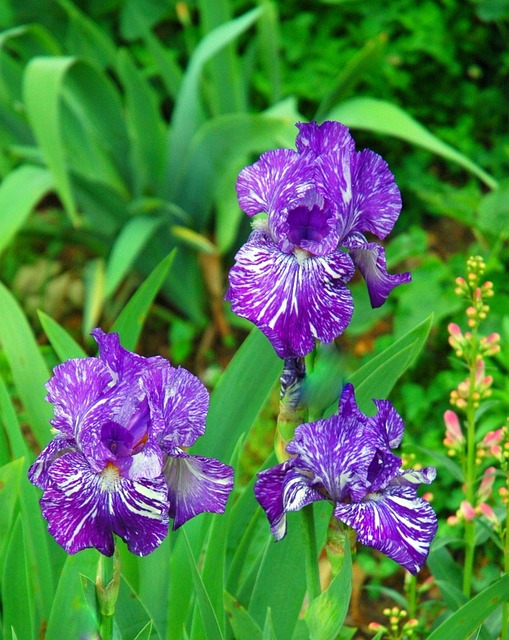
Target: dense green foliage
[{"x": 123, "y": 126}]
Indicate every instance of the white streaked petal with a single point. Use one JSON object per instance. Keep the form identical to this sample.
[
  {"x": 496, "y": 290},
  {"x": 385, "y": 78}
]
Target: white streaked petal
[
  {"x": 84, "y": 508},
  {"x": 370, "y": 260},
  {"x": 178, "y": 403},
  {"x": 396, "y": 522},
  {"x": 75, "y": 387},
  {"x": 293, "y": 300},
  {"x": 281, "y": 489},
  {"x": 195, "y": 485},
  {"x": 272, "y": 183},
  {"x": 38, "y": 471}
]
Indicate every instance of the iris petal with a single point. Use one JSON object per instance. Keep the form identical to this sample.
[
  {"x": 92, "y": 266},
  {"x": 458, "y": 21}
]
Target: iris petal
[
  {"x": 84, "y": 510},
  {"x": 178, "y": 405},
  {"x": 370, "y": 260},
  {"x": 396, "y": 522},
  {"x": 294, "y": 300},
  {"x": 278, "y": 179},
  {"x": 75, "y": 387},
  {"x": 281, "y": 489},
  {"x": 195, "y": 485}
]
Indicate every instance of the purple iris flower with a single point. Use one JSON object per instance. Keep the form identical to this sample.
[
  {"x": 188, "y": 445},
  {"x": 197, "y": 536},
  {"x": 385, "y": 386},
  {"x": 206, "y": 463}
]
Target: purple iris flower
[
  {"x": 117, "y": 463},
  {"x": 347, "y": 459},
  {"x": 289, "y": 278}
]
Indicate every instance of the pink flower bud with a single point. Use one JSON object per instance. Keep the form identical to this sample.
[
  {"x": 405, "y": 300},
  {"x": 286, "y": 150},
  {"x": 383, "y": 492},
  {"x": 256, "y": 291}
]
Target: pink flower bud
[
  {"x": 486, "y": 486},
  {"x": 453, "y": 433},
  {"x": 454, "y": 330},
  {"x": 488, "y": 513},
  {"x": 467, "y": 510}
]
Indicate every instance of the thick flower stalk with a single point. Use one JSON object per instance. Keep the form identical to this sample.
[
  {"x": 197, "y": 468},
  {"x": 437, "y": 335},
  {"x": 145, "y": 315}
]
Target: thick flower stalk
[
  {"x": 118, "y": 462},
  {"x": 347, "y": 460},
  {"x": 320, "y": 200}
]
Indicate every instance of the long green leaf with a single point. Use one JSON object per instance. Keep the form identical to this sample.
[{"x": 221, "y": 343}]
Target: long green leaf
[
  {"x": 38, "y": 551},
  {"x": 240, "y": 394},
  {"x": 86, "y": 39},
  {"x": 352, "y": 73},
  {"x": 327, "y": 612},
  {"x": 471, "y": 615},
  {"x": 243, "y": 625},
  {"x": 127, "y": 247},
  {"x": 10, "y": 478},
  {"x": 132, "y": 318},
  {"x": 28, "y": 368},
  {"x": 63, "y": 344},
  {"x": 386, "y": 118},
  {"x": 17, "y": 598},
  {"x": 268, "y": 592},
  {"x": 208, "y": 614},
  {"x": 188, "y": 113},
  {"x": 145, "y": 128},
  {"x": 70, "y": 615},
  {"x": 216, "y": 145},
  {"x": 20, "y": 191},
  {"x": 225, "y": 90},
  {"x": 42, "y": 89}
]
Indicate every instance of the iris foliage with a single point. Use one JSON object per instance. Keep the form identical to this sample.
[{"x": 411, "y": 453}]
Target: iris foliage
[{"x": 123, "y": 129}]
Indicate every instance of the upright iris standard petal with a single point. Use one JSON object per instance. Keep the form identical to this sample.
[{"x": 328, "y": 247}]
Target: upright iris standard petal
[
  {"x": 319, "y": 200},
  {"x": 120, "y": 421},
  {"x": 347, "y": 460},
  {"x": 178, "y": 405},
  {"x": 278, "y": 178},
  {"x": 294, "y": 299},
  {"x": 75, "y": 386}
]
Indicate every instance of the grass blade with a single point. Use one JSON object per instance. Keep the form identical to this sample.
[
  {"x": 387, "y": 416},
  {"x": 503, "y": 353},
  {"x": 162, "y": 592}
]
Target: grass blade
[
  {"x": 28, "y": 368},
  {"x": 471, "y": 615},
  {"x": 42, "y": 88},
  {"x": 132, "y": 318},
  {"x": 20, "y": 191}
]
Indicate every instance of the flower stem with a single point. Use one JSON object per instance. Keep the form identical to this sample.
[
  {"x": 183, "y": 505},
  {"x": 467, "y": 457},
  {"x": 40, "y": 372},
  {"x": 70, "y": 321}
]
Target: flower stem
[
  {"x": 106, "y": 590},
  {"x": 505, "y": 608},
  {"x": 311, "y": 552},
  {"x": 470, "y": 476}
]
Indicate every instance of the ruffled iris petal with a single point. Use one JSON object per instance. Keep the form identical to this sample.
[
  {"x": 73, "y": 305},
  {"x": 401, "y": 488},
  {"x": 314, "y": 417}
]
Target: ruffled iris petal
[
  {"x": 376, "y": 200},
  {"x": 38, "y": 471},
  {"x": 84, "y": 509},
  {"x": 195, "y": 485},
  {"x": 75, "y": 387},
  {"x": 337, "y": 453},
  {"x": 178, "y": 405},
  {"x": 396, "y": 522},
  {"x": 293, "y": 300},
  {"x": 325, "y": 138},
  {"x": 370, "y": 260},
  {"x": 279, "y": 178},
  {"x": 281, "y": 489},
  {"x": 124, "y": 365}
]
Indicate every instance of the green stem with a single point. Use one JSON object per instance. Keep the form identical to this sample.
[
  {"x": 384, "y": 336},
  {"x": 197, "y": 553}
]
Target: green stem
[
  {"x": 471, "y": 476},
  {"x": 505, "y": 609},
  {"x": 411, "y": 592},
  {"x": 107, "y": 585},
  {"x": 311, "y": 551}
]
